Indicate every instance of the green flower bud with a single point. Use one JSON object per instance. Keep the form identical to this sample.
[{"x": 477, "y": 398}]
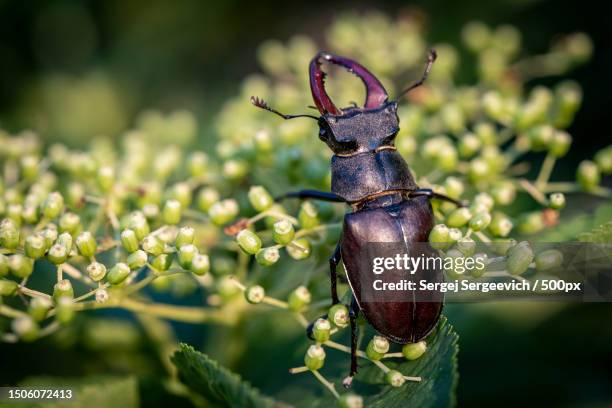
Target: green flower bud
[
  {"x": 560, "y": 143},
  {"x": 467, "y": 246},
  {"x": 412, "y": 351},
  {"x": 459, "y": 217},
  {"x": 118, "y": 273},
  {"x": 469, "y": 145},
  {"x": 14, "y": 212},
  {"x": 260, "y": 199},
  {"x": 171, "y": 213},
  {"x": 519, "y": 258},
  {"x": 152, "y": 245},
  {"x": 263, "y": 141},
  {"x": 548, "y": 260},
  {"x": 39, "y": 307},
  {"x": 181, "y": 192},
  {"x": 186, "y": 253},
  {"x": 8, "y": 287},
  {"x": 185, "y": 236},
  {"x": 129, "y": 240},
  {"x": 486, "y": 133},
  {"x": 86, "y": 244},
  {"x": 476, "y": 36},
  {"x": 65, "y": 239},
  {"x": 556, "y": 201},
  {"x": 20, "y": 266},
  {"x": 223, "y": 212},
  {"x": 30, "y": 213},
  {"x": 394, "y": 378},
  {"x": 502, "y": 246},
  {"x": 454, "y": 187},
  {"x": 267, "y": 256},
  {"x": 137, "y": 259},
  {"x": 52, "y": 206},
  {"x": 50, "y": 235},
  {"x": 503, "y": 193},
  {"x": 321, "y": 330},
  {"x": 75, "y": 194},
  {"x": 64, "y": 311},
  {"x": 4, "y": 267},
  {"x": 541, "y": 137},
  {"x": 101, "y": 295},
  {"x": 500, "y": 225},
  {"x": 315, "y": 357},
  {"x": 377, "y": 348},
  {"x": 207, "y": 197},
  {"x": 138, "y": 223},
  {"x": 308, "y": 215},
  {"x": 69, "y": 222},
  {"x": 454, "y": 234},
  {"x": 299, "y": 249},
  {"x": 150, "y": 211},
  {"x": 248, "y": 241},
  {"x": 531, "y": 222},
  {"x": 161, "y": 262},
  {"x": 338, "y": 315},
  {"x": 35, "y": 246},
  {"x": 603, "y": 158},
  {"x": 106, "y": 178},
  {"x": 9, "y": 234},
  {"x": 25, "y": 328},
  {"x": 439, "y": 237},
  {"x": 197, "y": 164},
  {"x": 349, "y": 400},
  {"x": 283, "y": 232},
  {"x": 235, "y": 170},
  {"x": 29, "y": 167},
  {"x": 96, "y": 271},
  {"x": 479, "y": 170},
  {"x": 446, "y": 158},
  {"x": 255, "y": 294},
  {"x": 63, "y": 288},
  {"x": 480, "y": 265},
  {"x": 200, "y": 264},
  {"x": 588, "y": 175},
  {"x": 480, "y": 221},
  {"x": 57, "y": 254},
  {"x": 299, "y": 298}
]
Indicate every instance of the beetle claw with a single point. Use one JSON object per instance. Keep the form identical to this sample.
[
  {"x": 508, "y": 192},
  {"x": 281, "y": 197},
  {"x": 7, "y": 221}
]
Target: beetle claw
[{"x": 347, "y": 382}]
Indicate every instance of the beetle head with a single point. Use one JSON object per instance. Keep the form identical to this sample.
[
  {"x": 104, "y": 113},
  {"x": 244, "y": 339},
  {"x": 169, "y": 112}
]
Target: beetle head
[{"x": 353, "y": 129}]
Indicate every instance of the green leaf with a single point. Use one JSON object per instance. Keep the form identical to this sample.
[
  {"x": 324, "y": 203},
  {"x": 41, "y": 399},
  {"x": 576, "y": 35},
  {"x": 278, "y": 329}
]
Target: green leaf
[
  {"x": 97, "y": 391},
  {"x": 599, "y": 235},
  {"x": 216, "y": 383},
  {"x": 437, "y": 367}
]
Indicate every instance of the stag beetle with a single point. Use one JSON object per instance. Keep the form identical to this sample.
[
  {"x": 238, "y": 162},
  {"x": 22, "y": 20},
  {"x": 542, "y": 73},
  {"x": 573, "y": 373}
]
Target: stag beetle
[{"x": 372, "y": 177}]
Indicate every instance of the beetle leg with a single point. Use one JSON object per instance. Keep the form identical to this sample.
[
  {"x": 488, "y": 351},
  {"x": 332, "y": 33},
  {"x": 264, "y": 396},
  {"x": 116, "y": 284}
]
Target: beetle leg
[
  {"x": 334, "y": 260},
  {"x": 314, "y": 194},
  {"x": 353, "y": 313},
  {"x": 427, "y": 192}
]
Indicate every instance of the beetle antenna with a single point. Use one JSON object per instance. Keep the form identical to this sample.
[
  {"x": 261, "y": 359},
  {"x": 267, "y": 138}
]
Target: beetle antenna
[
  {"x": 431, "y": 57},
  {"x": 260, "y": 103}
]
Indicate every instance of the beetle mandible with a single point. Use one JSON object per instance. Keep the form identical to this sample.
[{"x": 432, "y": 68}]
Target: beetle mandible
[{"x": 372, "y": 177}]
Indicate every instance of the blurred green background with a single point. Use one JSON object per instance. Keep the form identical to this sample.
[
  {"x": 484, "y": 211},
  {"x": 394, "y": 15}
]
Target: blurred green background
[{"x": 73, "y": 70}]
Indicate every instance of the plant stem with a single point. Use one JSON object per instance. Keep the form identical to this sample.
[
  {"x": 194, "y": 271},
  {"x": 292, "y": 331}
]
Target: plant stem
[
  {"x": 326, "y": 383},
  {"x": 33, "y": 293},
  {"x": 297, "y": 370},
  {"x": 533, "y": 191},
  {"x": 545, "y": 171}
]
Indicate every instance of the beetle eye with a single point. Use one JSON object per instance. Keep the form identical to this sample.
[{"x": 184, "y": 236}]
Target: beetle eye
[{"x": 323, "y": 133}]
